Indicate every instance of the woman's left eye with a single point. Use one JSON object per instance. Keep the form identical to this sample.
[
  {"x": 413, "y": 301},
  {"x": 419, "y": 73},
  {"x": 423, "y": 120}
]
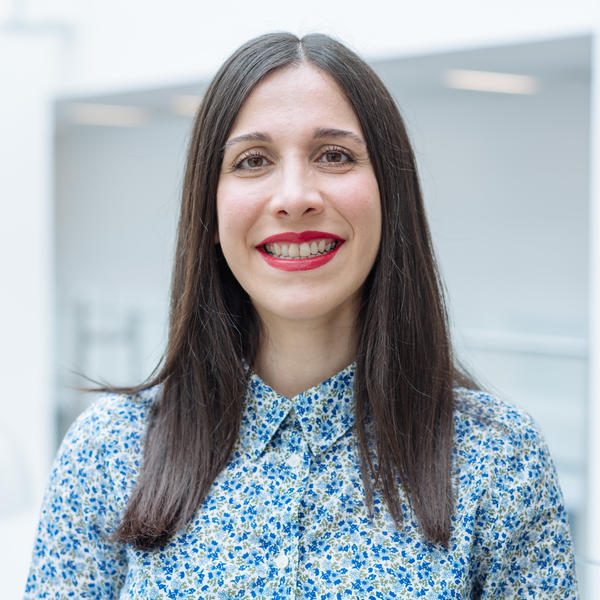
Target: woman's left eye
[{"x": 335, "y": 156}]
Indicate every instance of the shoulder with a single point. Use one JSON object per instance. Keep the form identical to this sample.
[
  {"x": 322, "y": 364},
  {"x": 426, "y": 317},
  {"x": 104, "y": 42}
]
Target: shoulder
[
  {"x": 508, "y": 494},
  {"x": 112, "y": 420},
  {"x": 104, "y": 444},
  {"x": 483, "y": 419},
  {"x": 89, "y": 487},
  {"x": 500, "y": 450},
  {"x": 114, "y": 416},
  {"x": 498, "y": 440}
]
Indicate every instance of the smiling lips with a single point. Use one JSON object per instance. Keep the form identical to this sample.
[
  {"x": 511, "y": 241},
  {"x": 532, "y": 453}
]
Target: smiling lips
[{"x": 299, "y": 251}]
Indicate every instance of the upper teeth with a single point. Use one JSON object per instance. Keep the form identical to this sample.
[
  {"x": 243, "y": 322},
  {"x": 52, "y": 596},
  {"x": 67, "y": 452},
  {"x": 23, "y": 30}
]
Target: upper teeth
[{"x": 303, "y": 250}]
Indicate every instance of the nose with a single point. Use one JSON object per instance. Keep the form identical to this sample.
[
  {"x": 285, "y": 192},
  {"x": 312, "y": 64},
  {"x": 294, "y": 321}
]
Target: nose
[{"x": 297, "y": 193}]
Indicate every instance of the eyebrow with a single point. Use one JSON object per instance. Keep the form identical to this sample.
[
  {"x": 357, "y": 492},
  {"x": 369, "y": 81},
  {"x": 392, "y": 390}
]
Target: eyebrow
[
  {"x": 255, "y": 136},
  {"x": 325, "y": 132},
  {"x": 321, "y": 132}
]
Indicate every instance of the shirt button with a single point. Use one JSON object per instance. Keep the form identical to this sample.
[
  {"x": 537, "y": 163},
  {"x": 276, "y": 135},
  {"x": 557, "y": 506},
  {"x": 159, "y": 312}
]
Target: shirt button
[
  {"x": 281, "y": 561},
  {"x": 294, "y": 460}
]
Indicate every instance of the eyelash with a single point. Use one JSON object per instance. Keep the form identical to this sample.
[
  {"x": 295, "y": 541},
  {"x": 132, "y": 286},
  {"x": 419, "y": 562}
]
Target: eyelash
[
  {"x": 336, "y": 149},
  {"x": 349, "y": 158},
  {"x": 250, "y": 154}
]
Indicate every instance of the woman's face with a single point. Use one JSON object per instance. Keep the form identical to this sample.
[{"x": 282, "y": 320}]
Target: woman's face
[{"x": 298, "y": 205}]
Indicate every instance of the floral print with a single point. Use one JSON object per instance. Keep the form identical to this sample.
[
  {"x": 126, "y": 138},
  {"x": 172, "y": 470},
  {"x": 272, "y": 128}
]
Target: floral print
[{"x": 287, "y": 519}]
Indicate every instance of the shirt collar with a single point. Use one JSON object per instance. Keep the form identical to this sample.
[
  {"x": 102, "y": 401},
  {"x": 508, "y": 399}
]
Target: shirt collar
[{"x": 325, "y": 412}]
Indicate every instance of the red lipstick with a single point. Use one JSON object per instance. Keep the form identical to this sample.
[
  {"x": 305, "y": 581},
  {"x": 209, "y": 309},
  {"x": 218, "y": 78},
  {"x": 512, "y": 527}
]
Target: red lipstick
[{"x": 304, "y": 263}]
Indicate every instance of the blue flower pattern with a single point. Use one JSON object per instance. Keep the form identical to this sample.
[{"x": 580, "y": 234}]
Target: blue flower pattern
[{"x": 287, "y": 518}]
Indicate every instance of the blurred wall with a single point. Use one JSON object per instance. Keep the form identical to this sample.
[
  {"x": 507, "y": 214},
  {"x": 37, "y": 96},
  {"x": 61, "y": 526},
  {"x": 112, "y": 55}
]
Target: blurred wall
[{"x": 118, "y": 44}]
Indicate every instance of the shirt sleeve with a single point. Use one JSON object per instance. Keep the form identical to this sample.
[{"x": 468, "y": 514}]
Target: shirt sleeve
[
  {"x": 73, "y": 556},
  {"x": 527, "y": 551}
]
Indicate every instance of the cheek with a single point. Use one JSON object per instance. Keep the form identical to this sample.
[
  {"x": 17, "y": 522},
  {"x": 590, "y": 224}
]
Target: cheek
[
  {"x": 235, "y": 215},
  {"x": 361, "y": 205}
]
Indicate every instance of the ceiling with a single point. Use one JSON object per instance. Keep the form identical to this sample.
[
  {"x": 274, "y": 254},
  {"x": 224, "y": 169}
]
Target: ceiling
[{"x": 554, "y": 62}]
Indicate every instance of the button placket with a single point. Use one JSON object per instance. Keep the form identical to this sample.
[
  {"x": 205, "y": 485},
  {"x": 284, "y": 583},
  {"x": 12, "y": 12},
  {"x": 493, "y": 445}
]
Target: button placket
[{"x": 297, "y": 461}]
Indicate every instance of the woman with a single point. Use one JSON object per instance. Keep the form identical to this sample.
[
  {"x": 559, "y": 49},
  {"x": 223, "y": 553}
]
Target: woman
[{"x": 307, "y": 435}]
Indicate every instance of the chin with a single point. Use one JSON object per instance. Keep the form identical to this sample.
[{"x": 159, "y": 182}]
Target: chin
[{"x": 309, "y": 309}]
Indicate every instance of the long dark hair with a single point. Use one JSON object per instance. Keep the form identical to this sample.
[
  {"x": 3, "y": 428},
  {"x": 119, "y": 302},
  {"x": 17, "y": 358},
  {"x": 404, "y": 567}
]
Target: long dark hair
[{"x": 405, "y": 372}]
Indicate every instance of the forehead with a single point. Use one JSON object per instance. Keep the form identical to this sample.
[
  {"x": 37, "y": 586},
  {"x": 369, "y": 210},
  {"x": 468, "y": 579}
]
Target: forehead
[{"x": 296, "y": 96}]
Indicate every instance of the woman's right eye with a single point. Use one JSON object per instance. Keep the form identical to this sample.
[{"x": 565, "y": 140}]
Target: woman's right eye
[{"x": 251, "y": 162}]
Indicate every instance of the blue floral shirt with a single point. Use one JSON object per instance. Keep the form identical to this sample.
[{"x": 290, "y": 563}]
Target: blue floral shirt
[{"x": 287, "y": 518}]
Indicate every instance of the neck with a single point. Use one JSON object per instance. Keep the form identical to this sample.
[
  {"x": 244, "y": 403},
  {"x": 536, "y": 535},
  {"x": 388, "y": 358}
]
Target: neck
[{"x": 295, "y": 356}]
